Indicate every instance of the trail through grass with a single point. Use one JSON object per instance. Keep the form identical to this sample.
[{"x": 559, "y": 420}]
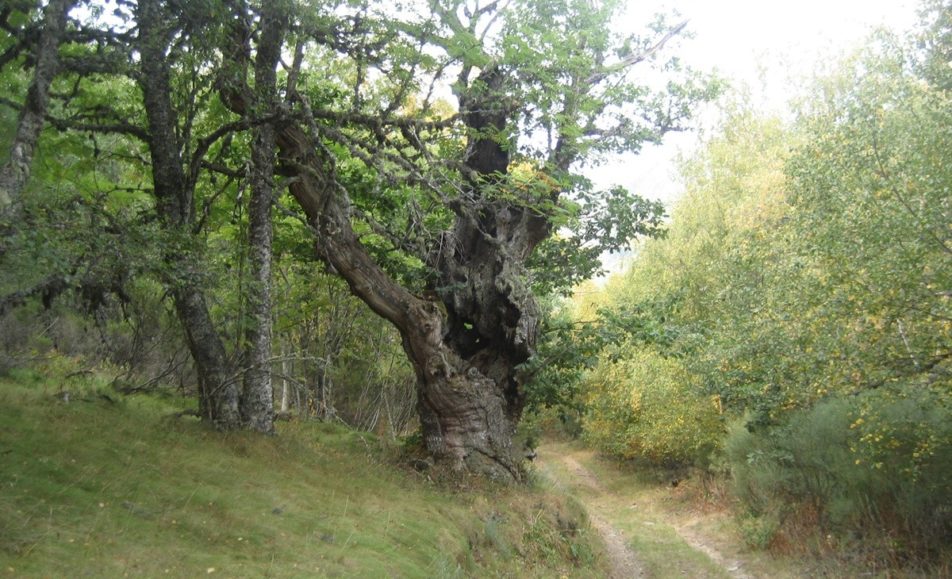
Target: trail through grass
[{"x": 661, "y": 530}]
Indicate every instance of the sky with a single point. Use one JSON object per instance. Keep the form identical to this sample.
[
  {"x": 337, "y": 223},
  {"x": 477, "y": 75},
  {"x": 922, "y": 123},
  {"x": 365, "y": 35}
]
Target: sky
[{"x": 768, "y": 45}]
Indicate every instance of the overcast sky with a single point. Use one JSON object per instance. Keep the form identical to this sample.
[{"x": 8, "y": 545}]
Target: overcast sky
[{"x": 769, "y": 45}]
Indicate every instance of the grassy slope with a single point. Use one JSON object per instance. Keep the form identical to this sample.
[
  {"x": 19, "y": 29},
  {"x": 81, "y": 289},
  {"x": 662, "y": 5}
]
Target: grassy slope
[{"x": 110, "y": 488}]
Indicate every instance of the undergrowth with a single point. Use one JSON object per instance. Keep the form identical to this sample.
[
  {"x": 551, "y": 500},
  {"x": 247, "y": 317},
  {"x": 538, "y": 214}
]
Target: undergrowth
[{"x": 810, "y": 487}]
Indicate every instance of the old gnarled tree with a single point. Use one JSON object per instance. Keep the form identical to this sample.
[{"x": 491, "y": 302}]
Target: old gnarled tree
[{"x": 552, "y": 88}]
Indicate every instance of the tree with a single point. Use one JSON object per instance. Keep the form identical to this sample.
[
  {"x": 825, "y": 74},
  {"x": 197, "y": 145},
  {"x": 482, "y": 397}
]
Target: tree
[
  {"x": 431, "y": 212},
  {"x": 15, "y": 173},
  {"x": 143, "y": 85},
  {"x": 174, "y": 188},
  {"x": 257, "y": 398},
  {"x": 557, "y": 78}
]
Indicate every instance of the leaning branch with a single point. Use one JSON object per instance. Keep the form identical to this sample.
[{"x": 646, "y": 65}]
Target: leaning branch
[
  {"x": 49, "y": 288},
  {"x": 205, "y": 143},
  {"x": 117, "y": 127},
  {"x": 635, "y": 58}
]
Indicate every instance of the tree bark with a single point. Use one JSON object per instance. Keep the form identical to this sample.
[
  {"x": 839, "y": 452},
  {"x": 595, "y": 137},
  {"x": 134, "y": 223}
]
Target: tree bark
[
  {"x": 471, "y": 400},
  {"x": 16, "y": 171},
  {"x": 469, "y": 396},
  {"x": 285, "y": 382},
  {"x": 257, "y": 400},
  {"x": 217, "y": 384},
  {"x": 218, "y": 389}
]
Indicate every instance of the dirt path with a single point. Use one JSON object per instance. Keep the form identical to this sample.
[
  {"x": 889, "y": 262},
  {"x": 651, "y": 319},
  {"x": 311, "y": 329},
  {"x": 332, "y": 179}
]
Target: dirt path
[
  {"x": 623, "y": 561},
  {"x": 691, "y": 537},
  {"x": 565, "y": 471}
]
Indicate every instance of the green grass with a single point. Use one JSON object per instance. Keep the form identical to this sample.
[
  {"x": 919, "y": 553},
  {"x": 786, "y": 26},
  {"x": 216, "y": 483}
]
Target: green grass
[{"x": 109, "y": 487}]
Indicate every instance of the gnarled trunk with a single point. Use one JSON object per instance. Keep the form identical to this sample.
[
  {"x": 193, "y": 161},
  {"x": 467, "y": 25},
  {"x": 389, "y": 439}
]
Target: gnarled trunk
[
  {"x": 466, "y": 354},
  {"x": 470, "y": 397},
  {"x": 469, "y": 408}
]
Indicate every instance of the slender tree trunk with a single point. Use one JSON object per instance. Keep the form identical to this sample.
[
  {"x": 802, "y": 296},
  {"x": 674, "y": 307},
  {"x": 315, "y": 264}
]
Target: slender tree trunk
[
  {"x": 285, "y": 383},
  {"x": 218, "y": 390},
  {"x": 16, "y": 171},
  {"x": 285, "y": 396},
  {"x": 257, "y": 400}
]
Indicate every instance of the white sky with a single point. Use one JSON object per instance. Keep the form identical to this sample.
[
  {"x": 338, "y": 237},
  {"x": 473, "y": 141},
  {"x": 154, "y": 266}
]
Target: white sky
[{"x": 769, "y": 45}]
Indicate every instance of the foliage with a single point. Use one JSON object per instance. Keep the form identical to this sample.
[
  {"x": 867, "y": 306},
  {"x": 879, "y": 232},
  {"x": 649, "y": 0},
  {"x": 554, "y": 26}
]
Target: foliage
[
  {"x": 596, "y": 223},
  {"x": 809, "y": 474},
  {"x": 566, "y": 349},
  {"x": 662, "y": 318},
  {"x": 641, "y": 404},
  {"x": 336, "y": 360},
  {"x": 804, "y": 288},
  {"x": 427, "y": 206}
]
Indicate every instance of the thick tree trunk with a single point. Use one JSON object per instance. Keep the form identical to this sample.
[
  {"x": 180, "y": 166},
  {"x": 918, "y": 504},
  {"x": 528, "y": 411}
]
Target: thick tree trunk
[
  {"x": 16, "y": 171},
  {"x": 469, "y": 396},
  {"x": 467, "y": 412},
  {"x": 471, "y": 408},
  {"x": 218, "y": 389},
  {"x": 257, "y": 400}
]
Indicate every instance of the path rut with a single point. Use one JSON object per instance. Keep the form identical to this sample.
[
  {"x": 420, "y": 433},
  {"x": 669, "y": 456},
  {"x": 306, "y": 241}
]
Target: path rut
[{"x": 623, "y": 560}]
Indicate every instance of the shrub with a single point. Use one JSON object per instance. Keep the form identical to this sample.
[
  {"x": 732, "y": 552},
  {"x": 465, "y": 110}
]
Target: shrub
[
  {"x": 841, "y": 471},
  {"x": 643, "y": 405}
]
